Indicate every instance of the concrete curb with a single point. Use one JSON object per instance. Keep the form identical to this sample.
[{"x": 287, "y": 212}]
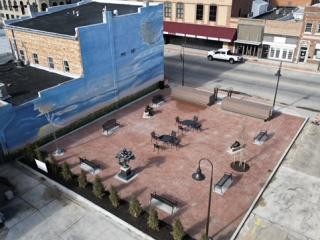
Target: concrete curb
[
  {"x": 81, "y": 199},
  {"x": 253, "y": 205}
]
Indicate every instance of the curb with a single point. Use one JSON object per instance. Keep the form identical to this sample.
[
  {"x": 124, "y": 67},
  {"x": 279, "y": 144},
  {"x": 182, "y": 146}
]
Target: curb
[
  {"x": 81, "y": 199},
  {"x": 253, "y": 205}
]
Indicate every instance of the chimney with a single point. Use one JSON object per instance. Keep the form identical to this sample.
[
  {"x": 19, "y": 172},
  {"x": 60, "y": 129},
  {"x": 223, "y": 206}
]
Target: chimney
[{"x": 115, "y": 12}]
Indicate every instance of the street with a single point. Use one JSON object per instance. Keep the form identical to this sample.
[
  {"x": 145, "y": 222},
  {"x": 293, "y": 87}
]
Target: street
[{"x": 299, "y": 89}]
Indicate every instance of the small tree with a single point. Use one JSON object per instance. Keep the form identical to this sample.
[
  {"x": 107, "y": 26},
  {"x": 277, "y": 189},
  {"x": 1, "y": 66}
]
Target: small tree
[
  {"x": 135, "y": 207},
  {"x": 153, "y": 219},
  {"x": 54, "y": 166},
  {"x": 204, "y": 237},
  {"x": 114, "y": 197},
  {"x": 98, "y": 188},
  {"x": 178, "y": 231},
  {"x": 82, "y": 179},
  {"x": 66, "y": 172}
]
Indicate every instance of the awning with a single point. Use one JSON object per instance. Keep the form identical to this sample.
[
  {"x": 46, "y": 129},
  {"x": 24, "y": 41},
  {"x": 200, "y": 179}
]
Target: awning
[
  {"x": 249, "y": 34},
  {"x": 200, "y": 31}
]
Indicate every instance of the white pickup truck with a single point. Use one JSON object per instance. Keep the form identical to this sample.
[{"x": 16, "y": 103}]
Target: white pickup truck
[{"x": 224, "y": 54}]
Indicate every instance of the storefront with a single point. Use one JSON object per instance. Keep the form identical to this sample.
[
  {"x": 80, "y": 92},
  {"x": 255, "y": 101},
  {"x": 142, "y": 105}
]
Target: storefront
[
  {"x": 279, "y": 48},
  {"x": 249, "y": 40}
]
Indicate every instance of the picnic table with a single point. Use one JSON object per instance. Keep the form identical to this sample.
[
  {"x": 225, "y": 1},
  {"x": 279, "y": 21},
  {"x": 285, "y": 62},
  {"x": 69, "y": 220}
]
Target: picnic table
[{"x": 191, "y": 123}]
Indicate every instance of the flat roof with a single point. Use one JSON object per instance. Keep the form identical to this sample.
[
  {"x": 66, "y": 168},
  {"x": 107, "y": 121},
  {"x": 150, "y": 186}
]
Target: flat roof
[
  {"x": 24, "y": 83},
  {"x": 65, "y": 22},
  {"x": 284, "y": 13}
]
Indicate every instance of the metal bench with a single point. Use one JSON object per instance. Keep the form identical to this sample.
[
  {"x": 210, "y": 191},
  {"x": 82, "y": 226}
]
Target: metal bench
[
  {"x": 156, "y": 200},
  {"x": 110, "y": 127},
  {"x": 89, "y": 166},
  {"x": 223, "y": 184}
]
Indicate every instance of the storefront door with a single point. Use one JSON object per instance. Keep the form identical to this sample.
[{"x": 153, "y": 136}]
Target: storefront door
[{"x": 303, "y": 53}]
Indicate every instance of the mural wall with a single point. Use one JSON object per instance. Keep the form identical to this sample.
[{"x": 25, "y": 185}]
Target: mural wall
[{"x": 120, "y": 57}]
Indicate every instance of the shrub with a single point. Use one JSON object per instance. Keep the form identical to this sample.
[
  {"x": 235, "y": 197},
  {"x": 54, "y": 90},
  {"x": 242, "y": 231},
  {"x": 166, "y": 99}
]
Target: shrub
[
  {"x": 153, "y": 219},
  {"x": 54, "y": 166},
  {"x": 82, "y": 179},
  {"x": 178, "y": 231},
  {"x": 135, "y": 207},
  {"x": 114, "y": 197},
  {"x": 98, "y": 188},
  {"x": 66, "y": 172}
]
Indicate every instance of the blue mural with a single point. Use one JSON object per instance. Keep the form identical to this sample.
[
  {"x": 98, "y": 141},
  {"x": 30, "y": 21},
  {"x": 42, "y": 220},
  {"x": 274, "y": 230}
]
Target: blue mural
[{"x": 120, "y": 57}]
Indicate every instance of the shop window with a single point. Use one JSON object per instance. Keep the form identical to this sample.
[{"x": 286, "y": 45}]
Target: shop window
[
  {"x": 277, "y": 53},
  {"x": 213, "y": 13},
  {"x": 199, "y": 13},
  {"x": 22, "y": 56},
  {"x": 290, "y": 53},
  {"x": 272, "y": 52},
  {"x": 50, "y": 62},
  {"x": 66, "y": 66},
  {"x": 284, "y": 54},
  {"x": 180, "y": 10},
  {"x": 167, "y": 9},
  {"x": 12, "y": 16},
  {"x": 35, "y": 58},
  {"x": 308, "y": 27}
]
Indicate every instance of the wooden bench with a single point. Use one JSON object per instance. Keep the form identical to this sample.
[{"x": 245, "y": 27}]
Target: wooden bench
[
  {"x": 155, "y": 199},
  {"x": 89, "y": 166},
  {"x": 252, "y": 109},
  {"x": 223, "y": 184},
  {"x": 192, "y": 95},
  {"x": 110, "y": 126}
]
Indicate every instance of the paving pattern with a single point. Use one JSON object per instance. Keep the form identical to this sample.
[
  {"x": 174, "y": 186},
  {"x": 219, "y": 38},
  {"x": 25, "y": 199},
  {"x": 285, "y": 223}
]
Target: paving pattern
[{"x": 169, "y": 171}]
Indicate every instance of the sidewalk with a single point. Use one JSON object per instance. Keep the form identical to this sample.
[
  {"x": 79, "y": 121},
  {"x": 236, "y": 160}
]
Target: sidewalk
[{"x": 298, "y": 67}]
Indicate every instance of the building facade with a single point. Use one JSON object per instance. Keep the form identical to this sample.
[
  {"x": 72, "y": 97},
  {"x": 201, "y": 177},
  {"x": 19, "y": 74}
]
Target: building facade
[
  {"x": 292, "y": 3},
  {"x": 309, "y": 48},
  {"x": 112, "y": 49},
  {"x": 11, "y": 9}
]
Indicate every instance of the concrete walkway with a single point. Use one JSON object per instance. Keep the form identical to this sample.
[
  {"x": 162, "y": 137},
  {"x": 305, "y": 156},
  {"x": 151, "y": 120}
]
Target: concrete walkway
[
  {"x": 290, "y": 206},
  {"x": 41, "y": 211}
]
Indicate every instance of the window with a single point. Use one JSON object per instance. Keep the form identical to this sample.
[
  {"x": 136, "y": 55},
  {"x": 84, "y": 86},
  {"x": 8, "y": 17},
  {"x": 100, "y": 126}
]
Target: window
[
  {"x": 22, "y": 56},
  {"x": 284, "y": 53},
  {"x": 213, "y": 13},
  {"x": 122, "y": 54},
  {"x": 10, "y": 5},
  {"x": 318, "y": 28},
  {"x": 5, "y": 6},
  {"x": 272, "y": 52},
  {"x": 180, "y": 10},
  {"x": 0, "y": 4},
  {"x": 167, "y": 9},
  {"x": 317, "y": 53},
  {"x": 290, "y": 53},
  {"x": 50, "y": 62},
  {"x": 66, "y": 66},
  {"x": 12, "y": 16},
  {"x": 35, "y": 58},
  {"x": 199, "y": 13},
  {"x": 133, "y": 50},
  {"x": 308, "y": 27},
  {"x": 277, "y": 53}
]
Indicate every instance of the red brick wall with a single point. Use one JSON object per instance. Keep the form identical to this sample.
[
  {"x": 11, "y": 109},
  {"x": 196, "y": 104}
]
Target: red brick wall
[{"x": 242, "y": 7}]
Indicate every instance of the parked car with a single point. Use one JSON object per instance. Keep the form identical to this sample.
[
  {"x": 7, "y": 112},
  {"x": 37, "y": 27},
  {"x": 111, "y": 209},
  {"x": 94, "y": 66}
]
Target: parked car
[{"x": 224, "y": 54}]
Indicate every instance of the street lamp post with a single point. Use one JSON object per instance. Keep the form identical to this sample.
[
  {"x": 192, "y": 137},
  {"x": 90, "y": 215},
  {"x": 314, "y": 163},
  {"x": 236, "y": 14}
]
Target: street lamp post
[
  {"x": 278, "y": 74},
  {"x": 182, "y": 59},
  {"x": 199, "y": 176}
]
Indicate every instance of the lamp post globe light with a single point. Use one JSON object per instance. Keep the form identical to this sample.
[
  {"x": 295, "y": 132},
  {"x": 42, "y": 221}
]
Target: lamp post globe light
[{"x": 199, "y": 176}]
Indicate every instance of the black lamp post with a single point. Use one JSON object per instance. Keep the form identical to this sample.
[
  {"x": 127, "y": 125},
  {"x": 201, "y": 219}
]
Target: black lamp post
[
  {"x": 199, "y": 176},
  {"x": 278, "y": 74},
  {"x": 182, "y": 59}
]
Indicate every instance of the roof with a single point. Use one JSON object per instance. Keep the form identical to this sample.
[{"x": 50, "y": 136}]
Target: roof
[
  {"x": 65, "y": 22},
  {"x": 24, "y": 83},
  {"x": 200, "y": 31},
  {"x": 284, "y": 13}
]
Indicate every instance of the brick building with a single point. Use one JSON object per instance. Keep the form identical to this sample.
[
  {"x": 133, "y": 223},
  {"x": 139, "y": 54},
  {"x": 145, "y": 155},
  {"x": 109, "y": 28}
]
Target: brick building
[
  {"x": 292, "y": 3},
  {"x": 309, "y": 50},
  {"x": 78, "y": 58}
]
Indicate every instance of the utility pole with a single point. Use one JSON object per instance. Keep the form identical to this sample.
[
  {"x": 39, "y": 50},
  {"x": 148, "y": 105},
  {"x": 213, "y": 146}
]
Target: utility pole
[{"x": 278, "y": 74}]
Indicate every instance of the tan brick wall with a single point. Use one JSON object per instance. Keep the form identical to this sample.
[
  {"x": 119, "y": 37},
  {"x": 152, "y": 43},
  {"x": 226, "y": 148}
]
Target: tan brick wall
[
  {"x": 284, "y": 28},
  {"x": 291, "y": 3},
  {"x": 46, "y": 46}
]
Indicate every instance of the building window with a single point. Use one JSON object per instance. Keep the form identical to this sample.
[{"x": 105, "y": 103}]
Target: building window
[
  {"x": 213, "y": 13},
  {"x": 122, "y": 54},
  {"x": 167, "y": 9},
  {"x": 308, "y": 27},
  {"x": 317, "y": 53},
  {"x": 180, "y": 10},
  {"x": 290, "y": 54},
  {"x": 5, "y": 6},
  {"x": 0, "y": 4},
  {"x": 133, "y": 50},
  {"x": 50, "y": 62},
  {"x": 199, "y": 14},
  {"x": 66, "y": 66},
  {"x": 12, "y": 16},
  {"x": 10, "y": 5},
  {"x": 22, "y": 56},
  {"x": 35, "y": 58},
  {"x": 318, "y": 28}
]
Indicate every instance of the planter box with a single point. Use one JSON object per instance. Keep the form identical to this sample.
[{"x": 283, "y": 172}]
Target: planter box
[{"x": 41, "y": 165}]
